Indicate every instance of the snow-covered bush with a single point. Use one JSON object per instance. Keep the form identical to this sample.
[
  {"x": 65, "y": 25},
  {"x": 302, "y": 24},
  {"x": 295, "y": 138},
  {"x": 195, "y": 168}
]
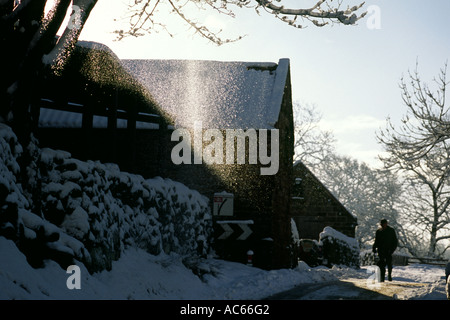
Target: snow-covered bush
[
  {"x": 107, "y": 209},
  {"x": 339, "y": 249},
  {"x": 367, "y": 258},
  {"x": 37, "y": 238},
  {"x": 91, "y": 211},
  {"x": 11, "y": 193}
]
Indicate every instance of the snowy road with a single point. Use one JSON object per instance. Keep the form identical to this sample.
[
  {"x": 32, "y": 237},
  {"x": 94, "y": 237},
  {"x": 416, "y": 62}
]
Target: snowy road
[
  {"x": 409, "y": 284},
  {"x": 353, "y": 289},
  {"x": 331, "y": 290}
]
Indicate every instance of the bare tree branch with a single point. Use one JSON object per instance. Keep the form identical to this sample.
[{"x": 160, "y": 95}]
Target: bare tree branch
[
  {"x": 144, "y": 19},
  {"x": 312, "y": 144},
  {"x": 347, "y": 16}
]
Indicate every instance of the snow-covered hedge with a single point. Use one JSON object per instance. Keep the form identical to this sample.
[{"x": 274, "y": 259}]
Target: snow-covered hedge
[
  {"x": 339, "y": 249},
  {"x": 367, "y": 258},
  {"x": 91, "y": 211}
]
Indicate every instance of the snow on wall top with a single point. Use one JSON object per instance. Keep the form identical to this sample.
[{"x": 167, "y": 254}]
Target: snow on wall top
[{"x": 222, "y": 95}]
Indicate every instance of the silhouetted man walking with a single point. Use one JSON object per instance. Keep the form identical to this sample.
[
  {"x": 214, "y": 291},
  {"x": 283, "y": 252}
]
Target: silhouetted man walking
[{"x": 386, "y": 243}]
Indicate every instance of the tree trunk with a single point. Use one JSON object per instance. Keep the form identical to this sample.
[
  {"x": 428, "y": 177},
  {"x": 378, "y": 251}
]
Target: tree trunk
[
  {"x": 434, "y": 228},
  {"x": 433, "y": 236},
  {"x": 26, "y": 38}
]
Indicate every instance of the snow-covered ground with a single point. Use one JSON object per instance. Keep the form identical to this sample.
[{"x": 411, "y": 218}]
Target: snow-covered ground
[
  {"x": 167, "y": 215},
  {"x": 139, "y": 275}
]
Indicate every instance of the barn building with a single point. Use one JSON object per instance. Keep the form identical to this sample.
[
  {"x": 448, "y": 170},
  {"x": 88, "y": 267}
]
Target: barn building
[{"x": 130, "y": 112}]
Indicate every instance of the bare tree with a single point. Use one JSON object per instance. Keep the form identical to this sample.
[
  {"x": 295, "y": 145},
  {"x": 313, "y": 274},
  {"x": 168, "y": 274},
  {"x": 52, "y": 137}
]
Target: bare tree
[
  {"x": 420, "y": 150},
  {"x": 369, "y": 194},
  {"x": 312, "y": 144},
  {"x": 427, "y": 122},
  {"x": 144, "y": 14}
]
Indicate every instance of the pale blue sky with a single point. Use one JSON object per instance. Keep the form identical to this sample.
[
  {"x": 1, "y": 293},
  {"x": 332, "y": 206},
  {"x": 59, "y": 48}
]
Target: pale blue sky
[{"x": 351, "y": 73}]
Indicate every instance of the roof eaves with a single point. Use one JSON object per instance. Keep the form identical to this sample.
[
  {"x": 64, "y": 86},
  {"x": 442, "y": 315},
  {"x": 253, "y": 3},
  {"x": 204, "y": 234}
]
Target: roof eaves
[{"x": 279, "y": 85}]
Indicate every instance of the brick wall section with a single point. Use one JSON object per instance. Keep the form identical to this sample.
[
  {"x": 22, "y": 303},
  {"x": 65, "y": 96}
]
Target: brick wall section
[{"x": 254, "y": 199}]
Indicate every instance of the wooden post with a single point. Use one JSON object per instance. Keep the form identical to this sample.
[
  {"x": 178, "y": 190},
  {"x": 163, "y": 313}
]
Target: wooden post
[
  {"x": 131, "y": 136},
  {"x": 163, "y": 160},
  {"x": 112, "y": 128},
  {"x": 87, "y": 125}
]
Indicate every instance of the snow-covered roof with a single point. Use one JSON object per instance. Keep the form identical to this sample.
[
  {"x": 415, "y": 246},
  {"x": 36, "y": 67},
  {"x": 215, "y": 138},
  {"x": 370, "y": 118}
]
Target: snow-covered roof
[
  {"x": 221, "y": 95},
  {"x": 93, "y": 74},
  {"x": 235, "y": 95}
]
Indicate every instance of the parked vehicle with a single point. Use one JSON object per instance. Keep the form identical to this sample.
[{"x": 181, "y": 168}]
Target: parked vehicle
[{"x": 310, "y": 251}]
